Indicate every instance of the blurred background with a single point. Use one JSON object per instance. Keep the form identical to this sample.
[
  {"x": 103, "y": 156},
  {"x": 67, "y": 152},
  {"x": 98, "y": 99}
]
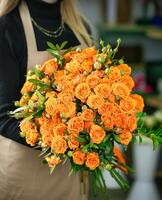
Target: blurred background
[{"x": 139, "y": 24}]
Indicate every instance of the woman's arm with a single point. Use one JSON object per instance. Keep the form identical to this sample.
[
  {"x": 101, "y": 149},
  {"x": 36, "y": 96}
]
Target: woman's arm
[{"x": 9, "y": 86}]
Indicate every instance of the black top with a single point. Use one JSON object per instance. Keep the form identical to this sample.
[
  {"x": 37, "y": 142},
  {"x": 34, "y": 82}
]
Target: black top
[{"x": 13, "y": 56}]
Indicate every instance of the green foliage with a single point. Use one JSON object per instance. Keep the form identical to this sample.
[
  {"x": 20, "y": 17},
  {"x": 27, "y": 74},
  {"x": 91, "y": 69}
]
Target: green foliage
[
  {"x": 37, "y": 72},
  {"x": 119, "y": 179},
  {"x": 155, "y": 134},
  {"x": 57, "y": 52}
]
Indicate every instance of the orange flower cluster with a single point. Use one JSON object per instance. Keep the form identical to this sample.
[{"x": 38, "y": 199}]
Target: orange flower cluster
[{"x": 82, "y": 104}]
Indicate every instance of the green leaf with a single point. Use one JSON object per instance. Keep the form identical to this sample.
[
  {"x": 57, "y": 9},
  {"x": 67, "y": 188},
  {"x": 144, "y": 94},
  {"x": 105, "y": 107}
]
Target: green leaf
[
  {"x": 102, "y": 43},
  {"x": 155, "y": 143},
  {"x": 85, "y": 148},
  {"x": 92, "y": 145},
  {"x": 39, "y": 83},
  {"x": 63, "y": 44},
  {"x": 75, "y": 168},
  {"x": 37, "y": 114},
  {"x": 37, "y": 72},
  {"x": 51, "y": 45},
  {"x": 52, "y": 169},
  {"x": 82, "y": 140},
  {"x": 140, "y": 115},
  {"x": 57, "y": 47},
  {"x": 106, "y": 138},
  {"x": 117, "y": 138},
  {"x": 54, "y": 53},
  {"x": 119, "y": 179},
  {"x": 142, "y": 130},
  {"x": 44, "y": 151},
  {"x": 94, "y": 185},
  {"x": 41, "y": 97}
]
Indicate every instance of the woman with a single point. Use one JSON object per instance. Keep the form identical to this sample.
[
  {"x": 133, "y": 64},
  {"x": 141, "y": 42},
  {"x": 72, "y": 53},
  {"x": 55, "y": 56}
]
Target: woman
[{"x": 25, "y": 27}]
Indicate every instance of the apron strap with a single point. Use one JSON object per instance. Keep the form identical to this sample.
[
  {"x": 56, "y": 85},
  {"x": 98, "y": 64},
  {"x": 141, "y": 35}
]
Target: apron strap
[{"x": 28, "y": 28}]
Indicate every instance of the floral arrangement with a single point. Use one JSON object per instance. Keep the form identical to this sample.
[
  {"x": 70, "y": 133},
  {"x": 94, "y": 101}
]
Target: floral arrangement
[{"x": 77, "y": 106}]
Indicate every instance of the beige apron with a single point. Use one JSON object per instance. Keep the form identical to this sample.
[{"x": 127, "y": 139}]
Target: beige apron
[{"x": 23, "y": 176}]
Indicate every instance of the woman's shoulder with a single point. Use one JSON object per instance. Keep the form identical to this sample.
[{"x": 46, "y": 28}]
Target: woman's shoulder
[{"x": 9, "y": 20}]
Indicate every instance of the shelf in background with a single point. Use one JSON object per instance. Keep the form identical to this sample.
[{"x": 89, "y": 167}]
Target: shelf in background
[
  {"x": 148, "y": 31},
  {"x": 154, "y": 101}
]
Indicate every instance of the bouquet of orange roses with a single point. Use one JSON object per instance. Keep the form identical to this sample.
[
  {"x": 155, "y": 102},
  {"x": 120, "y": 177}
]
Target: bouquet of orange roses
[{"x": 77, "y": 106}]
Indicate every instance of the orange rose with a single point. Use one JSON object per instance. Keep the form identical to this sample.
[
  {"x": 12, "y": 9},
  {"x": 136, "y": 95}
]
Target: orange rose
[
  {"x": 92, "y": 80},
  {"x": 73, "y": 67},
  {"x": 30, "y": 131},
  {"x": 125, "y": 137},
  {"x": 46, "y": 138},
  {"x": 67, "y": 110},
  {"x": 131, "y": 123},
  {"x": 114, "y": 73},
  {"x": 127, "y": 105},
  {"x": 49, "y": 67},
  {"x": 68, "y": 56},
  {"x": 53, "y": 161},
  {"x": 120, "y": 120},
  {"x": 128, "y": 81},
  {"x": 82, "y": 91},
  {"x": 58, "y": 145},
  {"x": 90, "y": 51},
  {"x": 99, "y": 73},
  {"x": 50, "y": 106},
  {"x": 107, "y": 81},
  {"x": 120, "y": 158},
  {"x": 108, "y": 121},
  {"x": 124, "y": 69},
  {"x": 51, "y": 94},
  {"x": 59, "y": 75},
  {"x": 24, "y": 100},
  {"x": 66, "y": 97},
  {"x": 88, "y": 115},
  {"x": 73, "y": 143},
  {"x": 78, "y": 157},
  {"x": 56, "y": 119},
  {"x": 26, "y": 126},
  {"x": 40, "y": 120},
  {"x": 59, "y": 130},
  {"x": 139, "y": 102},
  {"x": 75, "y": 124},
  {"x": 111, "y": 98},
  {"x": 87, "y": 65},
  {"x": 120, "y": 90},
  {"x": 92, "y": 161},
  {"x": 73, "y": 133},
  {"x": 94, "y": 101},
  {"x": 76, "y": 80},
  {"x": 102, "y": 90},
  {"x": 32, "y": 137},
  {"x": 27, "y": 87},
  {"x": 87, "y": 125},
  {"x": 107, "y": 108},
  {"x": 97, "y": 134},
  {"x": 46, "y": 130}
]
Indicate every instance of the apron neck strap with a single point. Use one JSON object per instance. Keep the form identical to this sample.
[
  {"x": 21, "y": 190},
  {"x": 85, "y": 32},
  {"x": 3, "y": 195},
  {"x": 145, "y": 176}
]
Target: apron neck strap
[
  {"x": 29, "y": 31},
  {"x": 28, "y": 27}
]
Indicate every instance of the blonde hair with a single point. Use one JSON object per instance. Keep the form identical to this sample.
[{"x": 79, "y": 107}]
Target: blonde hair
[{"x": 70, "y": 16}]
